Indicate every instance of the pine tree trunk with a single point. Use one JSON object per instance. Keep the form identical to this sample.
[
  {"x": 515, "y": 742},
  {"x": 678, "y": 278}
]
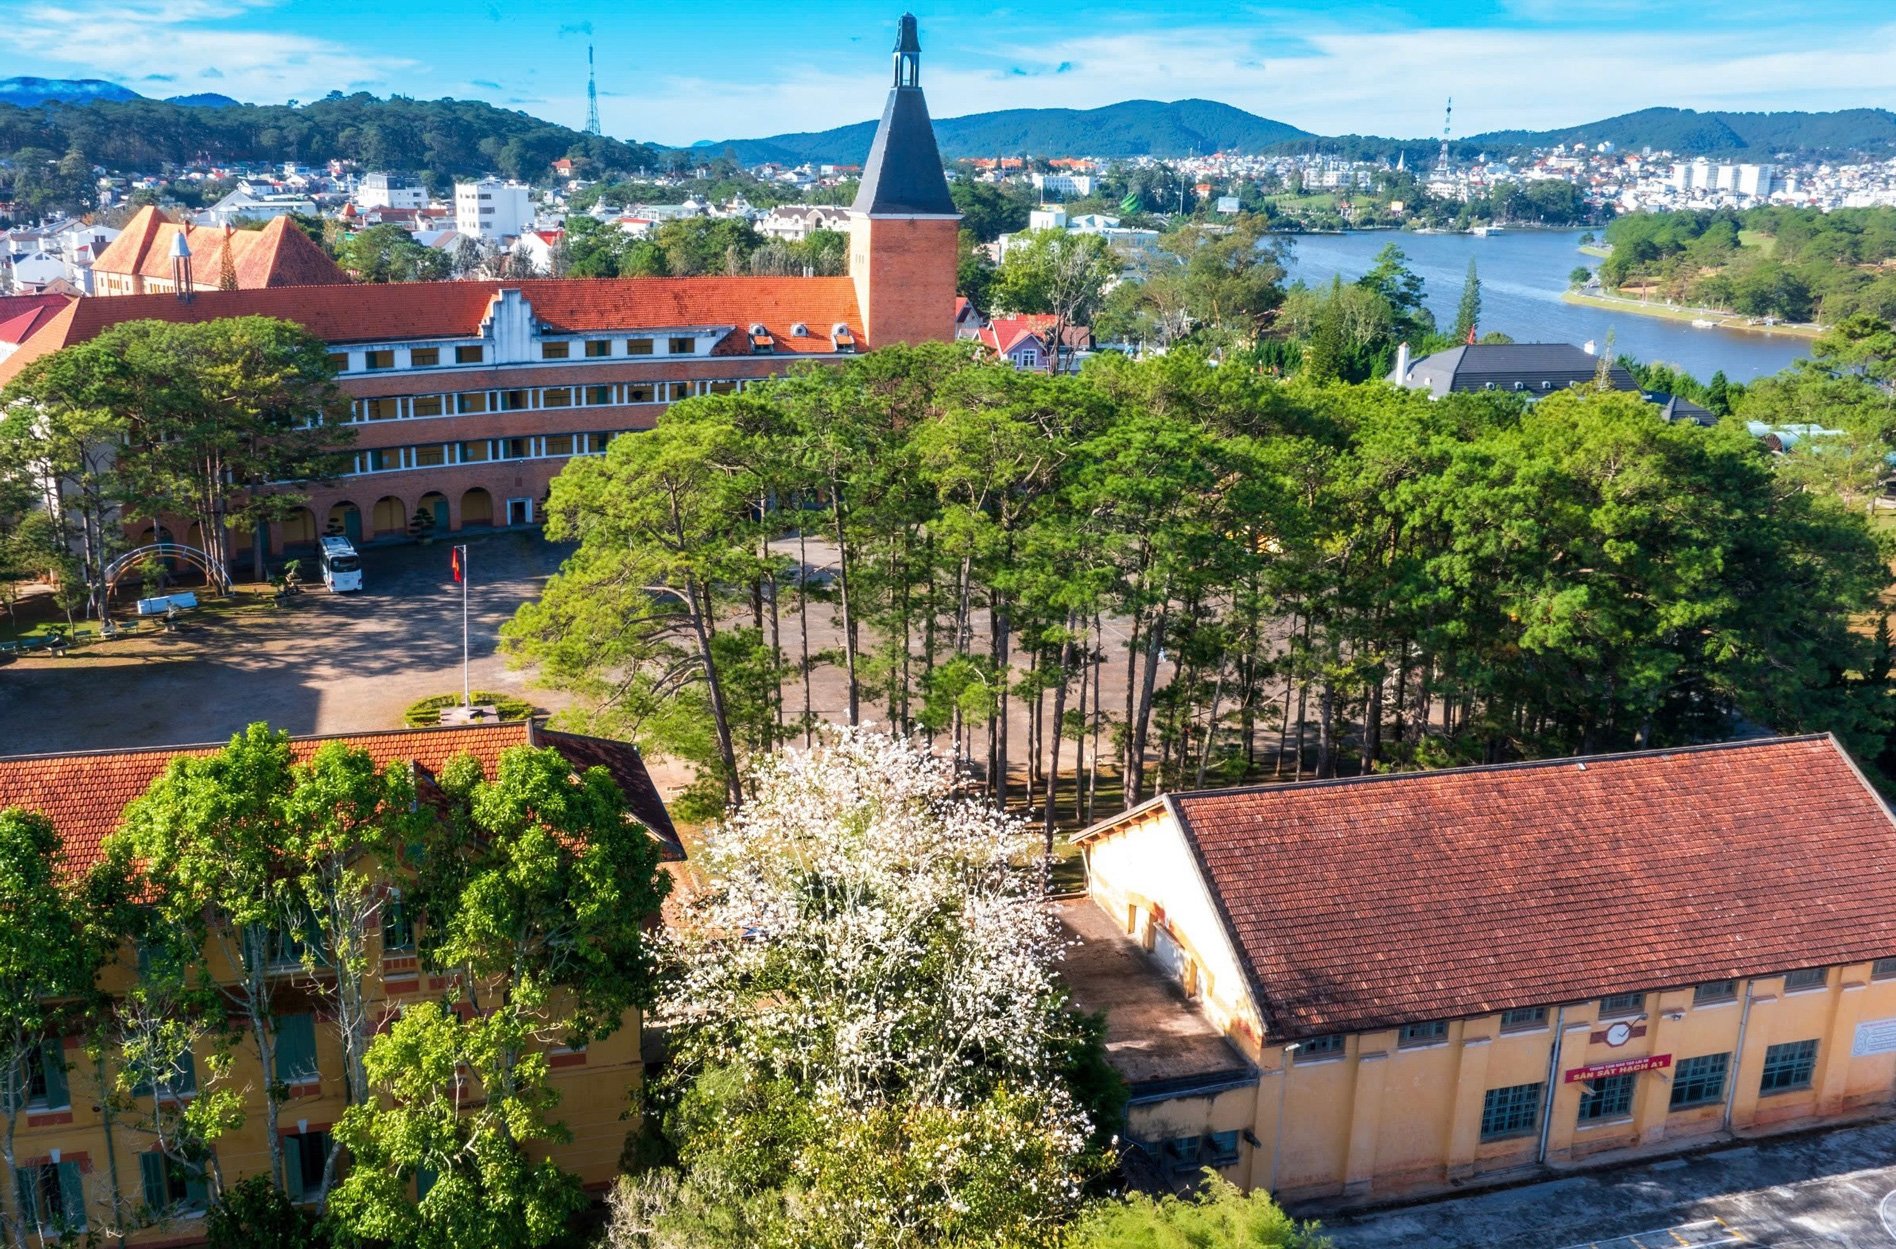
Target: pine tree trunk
[
  {"x": 1059, "y": 714},
  {"x": 1148, "y": 682},
  {"x": 803, "y": 624}
]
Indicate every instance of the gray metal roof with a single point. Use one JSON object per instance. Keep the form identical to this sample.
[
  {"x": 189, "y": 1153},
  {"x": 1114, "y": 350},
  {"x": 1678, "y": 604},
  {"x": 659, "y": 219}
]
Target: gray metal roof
[
  {"x": 1676, "y": 408},
  {"x": 903, "y": 176},
  {"x": 1526, "y": 368}
]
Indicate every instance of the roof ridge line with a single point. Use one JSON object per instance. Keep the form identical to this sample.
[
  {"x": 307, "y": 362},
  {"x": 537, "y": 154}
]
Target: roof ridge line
[
  {"x": 219, "y": 745},
  {"x": 1509, "y": 766}
]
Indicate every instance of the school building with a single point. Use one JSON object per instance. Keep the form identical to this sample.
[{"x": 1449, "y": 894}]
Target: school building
[
  {"x": 466, "y": 398},
  {"x": 74, "y": 1171},
  {"x": 1397, "y": 984}
]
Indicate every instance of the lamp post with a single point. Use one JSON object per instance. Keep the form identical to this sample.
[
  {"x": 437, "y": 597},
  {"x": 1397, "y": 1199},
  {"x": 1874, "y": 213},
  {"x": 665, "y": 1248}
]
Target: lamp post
[{"x": 1283, "y": 1089}]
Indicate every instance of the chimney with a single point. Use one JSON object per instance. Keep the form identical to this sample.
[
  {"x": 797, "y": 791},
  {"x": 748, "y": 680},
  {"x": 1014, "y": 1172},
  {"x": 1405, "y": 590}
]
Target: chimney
[{"x": 1402, "y": 364}]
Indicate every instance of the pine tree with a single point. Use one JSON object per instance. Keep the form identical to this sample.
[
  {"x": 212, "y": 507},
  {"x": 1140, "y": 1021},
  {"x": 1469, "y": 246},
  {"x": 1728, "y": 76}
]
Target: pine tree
[
  {"x": 227, "y": 270},
  {"x": 1718, "y": 395},
  {"x": 1468, "y": 312}
]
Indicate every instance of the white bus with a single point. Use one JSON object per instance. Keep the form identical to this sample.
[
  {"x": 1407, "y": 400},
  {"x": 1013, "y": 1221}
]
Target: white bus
[{"x": 342, "y": 567}]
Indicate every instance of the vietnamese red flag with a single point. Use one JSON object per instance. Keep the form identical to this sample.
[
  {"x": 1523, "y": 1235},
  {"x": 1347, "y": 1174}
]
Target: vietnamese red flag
[{"x": 454, "y": 564}]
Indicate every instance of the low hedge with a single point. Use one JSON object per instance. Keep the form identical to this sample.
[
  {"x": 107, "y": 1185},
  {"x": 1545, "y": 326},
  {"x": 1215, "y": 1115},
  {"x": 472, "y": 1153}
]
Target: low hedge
[{"x": 427, "y": 712}]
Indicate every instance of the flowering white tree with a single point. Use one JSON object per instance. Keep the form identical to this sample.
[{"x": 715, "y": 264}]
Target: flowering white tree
[{"x": 869, "y": 1041}]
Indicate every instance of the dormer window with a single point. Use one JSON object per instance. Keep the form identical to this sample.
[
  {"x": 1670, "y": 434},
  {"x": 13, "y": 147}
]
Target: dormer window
[
  {"x": 799, "y": 330},
  {"x": 841, "y": 339},
  {"x": 762, "y": 344}
]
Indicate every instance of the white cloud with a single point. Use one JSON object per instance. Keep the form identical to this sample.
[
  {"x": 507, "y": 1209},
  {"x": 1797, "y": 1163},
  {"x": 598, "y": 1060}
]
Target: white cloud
[
  {"x": 1332, "y": 81},
  {"x": 193, "y": 41}
]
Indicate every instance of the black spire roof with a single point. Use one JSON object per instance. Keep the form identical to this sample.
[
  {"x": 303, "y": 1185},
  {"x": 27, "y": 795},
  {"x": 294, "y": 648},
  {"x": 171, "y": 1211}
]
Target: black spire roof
[{"x": 903, "y": 176}]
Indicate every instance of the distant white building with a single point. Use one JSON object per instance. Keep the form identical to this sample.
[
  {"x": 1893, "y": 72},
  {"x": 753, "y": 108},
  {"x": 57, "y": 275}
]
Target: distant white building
[
  {"x": 390, "y": 190},
  {"x": 1128, "y": 241},
  {"x": 792, "y": 223},
  {"x": 247, "y": 205},
  {"x": 492, "y": 210},
  {"x": 1077, "y": 185}
]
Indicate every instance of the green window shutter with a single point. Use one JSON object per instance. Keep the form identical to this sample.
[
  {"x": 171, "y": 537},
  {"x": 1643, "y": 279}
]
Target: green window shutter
[
  {"x": 151, "y": 1171},
  {"x": 27, "y": 1192},
  {"x": 197, "y": 1194},
  {"x": 424, "y": 1180},
  {"x": 295, "y": 1048},
  {"x": 72, "y": 1192},
  {"x": 56, "y": 1093},
  {"x": 293, "y": 1166}
]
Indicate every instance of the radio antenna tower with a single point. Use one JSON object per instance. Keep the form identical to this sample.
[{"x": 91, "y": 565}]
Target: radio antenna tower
[
  {"x": 592, "y": 97},
  {"x": 1441, "y": 162}
]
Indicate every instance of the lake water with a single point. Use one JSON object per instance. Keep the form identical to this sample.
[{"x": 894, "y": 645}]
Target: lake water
[{"x": 1523, "y": 275}]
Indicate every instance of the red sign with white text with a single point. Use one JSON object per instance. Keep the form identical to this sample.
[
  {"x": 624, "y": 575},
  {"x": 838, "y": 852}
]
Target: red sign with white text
[{"x": 1656, "y": 1062}]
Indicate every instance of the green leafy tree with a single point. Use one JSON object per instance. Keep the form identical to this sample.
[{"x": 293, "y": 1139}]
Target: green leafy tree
[
  {"x": 50, "y": 956},
  {"x": 1400, "y": 287},
  {"x": 388, "y": 253},
  {"x": 254, "y": 1214},
  {"x": 208, "y": 836},
  {"x": 665, "y": 541},
  {"x": 465, "y": 1097},
  {"x": 1218, "y": 1214},
  {"x": 61, "y": 431},
  {"x": 1057, "y": 272},
  {"x": 538, "y": 891}
]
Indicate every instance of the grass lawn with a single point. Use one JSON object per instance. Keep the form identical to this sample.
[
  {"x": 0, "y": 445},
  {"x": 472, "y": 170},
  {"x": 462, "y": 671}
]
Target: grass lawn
[
  {"x": 1765, "y": 243},
  {"x": 1594, "y": 249},
  {"x": 1292, "y": 203}
]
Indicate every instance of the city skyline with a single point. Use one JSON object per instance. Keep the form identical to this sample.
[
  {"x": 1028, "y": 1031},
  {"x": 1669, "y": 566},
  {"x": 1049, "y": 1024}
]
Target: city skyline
[{"x": 665, "y": 77}]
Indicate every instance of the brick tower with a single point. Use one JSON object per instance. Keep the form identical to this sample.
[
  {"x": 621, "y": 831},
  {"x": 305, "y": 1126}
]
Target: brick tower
[{"x": 903, "y": 225}]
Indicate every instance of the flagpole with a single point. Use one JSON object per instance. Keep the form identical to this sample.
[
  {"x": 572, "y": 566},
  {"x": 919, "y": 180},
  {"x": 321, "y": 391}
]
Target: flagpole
[{"x": 467, "y": 696}]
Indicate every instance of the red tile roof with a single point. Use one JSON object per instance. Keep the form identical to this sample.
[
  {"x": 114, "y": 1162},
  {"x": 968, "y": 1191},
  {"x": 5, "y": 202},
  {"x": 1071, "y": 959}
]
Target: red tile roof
[
  {"x": 1003, "y": 334},
  {"x": 21, "y": 315},
  {"x": 280, "y": 254},
  {"x": 84, "y": 793},
  {"x": 408, "y": 310},
  {"x": 1368, "y": 903}
]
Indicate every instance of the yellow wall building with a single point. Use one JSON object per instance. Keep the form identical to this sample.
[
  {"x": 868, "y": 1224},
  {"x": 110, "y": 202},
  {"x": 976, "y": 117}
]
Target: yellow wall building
[
  {"x": 1491, "y": 971},
  {"x": 72, "y": 1174}
]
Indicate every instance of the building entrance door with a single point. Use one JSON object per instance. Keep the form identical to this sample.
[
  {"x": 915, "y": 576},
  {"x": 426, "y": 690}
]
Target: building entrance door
[{"x": 520, "y": 511}]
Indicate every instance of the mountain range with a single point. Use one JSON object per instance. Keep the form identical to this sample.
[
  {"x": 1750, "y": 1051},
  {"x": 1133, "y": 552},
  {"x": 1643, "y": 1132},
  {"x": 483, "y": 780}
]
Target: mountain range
[
  {"x": 1130, "y": 128},
  {"x": 1183, "y": 127},
  {"x": 32, "y": 92},
  {"x": 1685, "y": 130}
]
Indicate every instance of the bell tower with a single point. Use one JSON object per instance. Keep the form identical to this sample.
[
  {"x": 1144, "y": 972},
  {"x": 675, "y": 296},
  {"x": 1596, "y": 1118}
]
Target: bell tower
[{"x": 903, "y": 227}]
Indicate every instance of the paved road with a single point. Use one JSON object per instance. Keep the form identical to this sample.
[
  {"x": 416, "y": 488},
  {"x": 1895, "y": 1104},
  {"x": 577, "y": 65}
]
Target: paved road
[
  {"x": 327, "y": 663},
  {"x": 1831, "y": 1190}
]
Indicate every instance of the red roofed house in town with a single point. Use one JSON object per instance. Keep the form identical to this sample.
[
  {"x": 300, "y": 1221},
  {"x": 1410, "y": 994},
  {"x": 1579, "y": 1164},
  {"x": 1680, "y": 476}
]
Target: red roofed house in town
[
  {"x": 1022, "y": 341},
  {"x": 1490, "y": 971},
  {"x": 143, "y": 259},
  {"x": 63, "y": 1155},
  {"x": 468, "y": 397}
]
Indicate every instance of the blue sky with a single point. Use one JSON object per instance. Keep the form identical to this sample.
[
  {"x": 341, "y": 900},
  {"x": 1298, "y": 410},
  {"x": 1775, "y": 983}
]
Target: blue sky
[{"x": 674, "y": 72}]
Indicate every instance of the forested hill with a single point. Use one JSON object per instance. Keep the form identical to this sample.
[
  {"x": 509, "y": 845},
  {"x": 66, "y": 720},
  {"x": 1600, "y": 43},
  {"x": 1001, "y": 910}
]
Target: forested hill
[
  {"x": 1130, "y": 128},
  {"x": 1756, "y": 135},
  {"x": 440, "y": 138}
]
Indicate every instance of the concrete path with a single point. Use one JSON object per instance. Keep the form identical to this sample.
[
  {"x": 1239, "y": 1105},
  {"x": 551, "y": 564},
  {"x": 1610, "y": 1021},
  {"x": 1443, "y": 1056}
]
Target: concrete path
[{"x": 1828, "y": 1190}]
